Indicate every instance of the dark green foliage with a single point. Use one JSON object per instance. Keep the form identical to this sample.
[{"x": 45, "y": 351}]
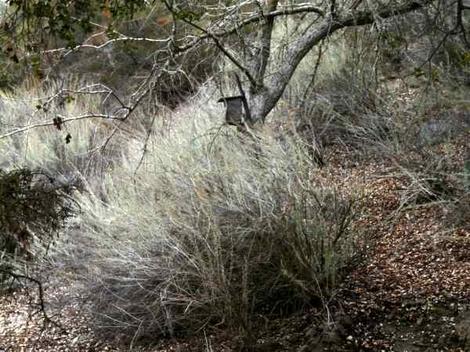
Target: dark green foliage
[
  {"x": 32, "y": 208},
  {"x": 63, "y": 19},
  {"x": 28, "y": 27},
  {"x": 10, "y": 73}
]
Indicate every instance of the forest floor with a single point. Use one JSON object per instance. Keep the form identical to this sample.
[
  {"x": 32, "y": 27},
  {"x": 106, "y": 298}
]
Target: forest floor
[{"x": 410, "y": 293}]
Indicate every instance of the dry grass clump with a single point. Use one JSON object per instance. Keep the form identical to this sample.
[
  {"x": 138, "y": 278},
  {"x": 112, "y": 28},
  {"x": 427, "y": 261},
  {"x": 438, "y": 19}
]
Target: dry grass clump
[
  {"x": 387, "y": 94},
  {"x": 431, "y": 175},
  {"x": 214, "y": 228},
  {"x": 72, "y": 154},
  {"x": 346, "y": 100},
  {"x": 370, "y": 89}
]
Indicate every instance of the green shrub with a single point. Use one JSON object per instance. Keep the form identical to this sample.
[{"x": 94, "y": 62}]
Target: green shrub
[{"x": 32, "y": 211}]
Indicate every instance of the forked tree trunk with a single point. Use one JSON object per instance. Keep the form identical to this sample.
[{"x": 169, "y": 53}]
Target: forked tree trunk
[{"x": 264, "y": 97}]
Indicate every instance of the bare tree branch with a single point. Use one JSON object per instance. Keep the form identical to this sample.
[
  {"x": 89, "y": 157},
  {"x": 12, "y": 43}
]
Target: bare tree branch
[
  {"x": 263, "y": 53},
  {"x": 40, "y": 295},
  {"x": 229, "y": 55},
  {"x": 263, "y": 103},
  {"x": 255, "y": 19},
  {"x": 64, "y": 120},
  {"x": 68, "y": 51}
]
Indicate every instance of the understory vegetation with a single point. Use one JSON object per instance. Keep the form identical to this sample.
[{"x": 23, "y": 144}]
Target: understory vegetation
[
  {"x": 175, "y": 223},
  {"x": 208, "y": 226},
  {"x": 32, "y": 213}
]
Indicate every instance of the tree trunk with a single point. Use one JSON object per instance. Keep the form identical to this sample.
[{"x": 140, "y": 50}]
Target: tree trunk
[{"x": 263, "y": 99}]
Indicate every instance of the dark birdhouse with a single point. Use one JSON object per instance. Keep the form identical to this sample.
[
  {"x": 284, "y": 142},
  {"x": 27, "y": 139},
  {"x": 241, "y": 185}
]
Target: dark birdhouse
[
  {"x": 237, "y": 111},
  {"x": 234, "y": 110}
]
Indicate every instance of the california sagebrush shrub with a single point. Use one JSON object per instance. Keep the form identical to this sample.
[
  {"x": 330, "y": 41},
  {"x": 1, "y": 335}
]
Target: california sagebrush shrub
[
  {"x": 214, "y": 228},
  {"x": 33, "y": 210}
]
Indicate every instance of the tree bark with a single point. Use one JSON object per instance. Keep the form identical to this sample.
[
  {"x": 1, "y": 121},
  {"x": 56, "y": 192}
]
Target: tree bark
[{"x": 264, "y": 99}]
